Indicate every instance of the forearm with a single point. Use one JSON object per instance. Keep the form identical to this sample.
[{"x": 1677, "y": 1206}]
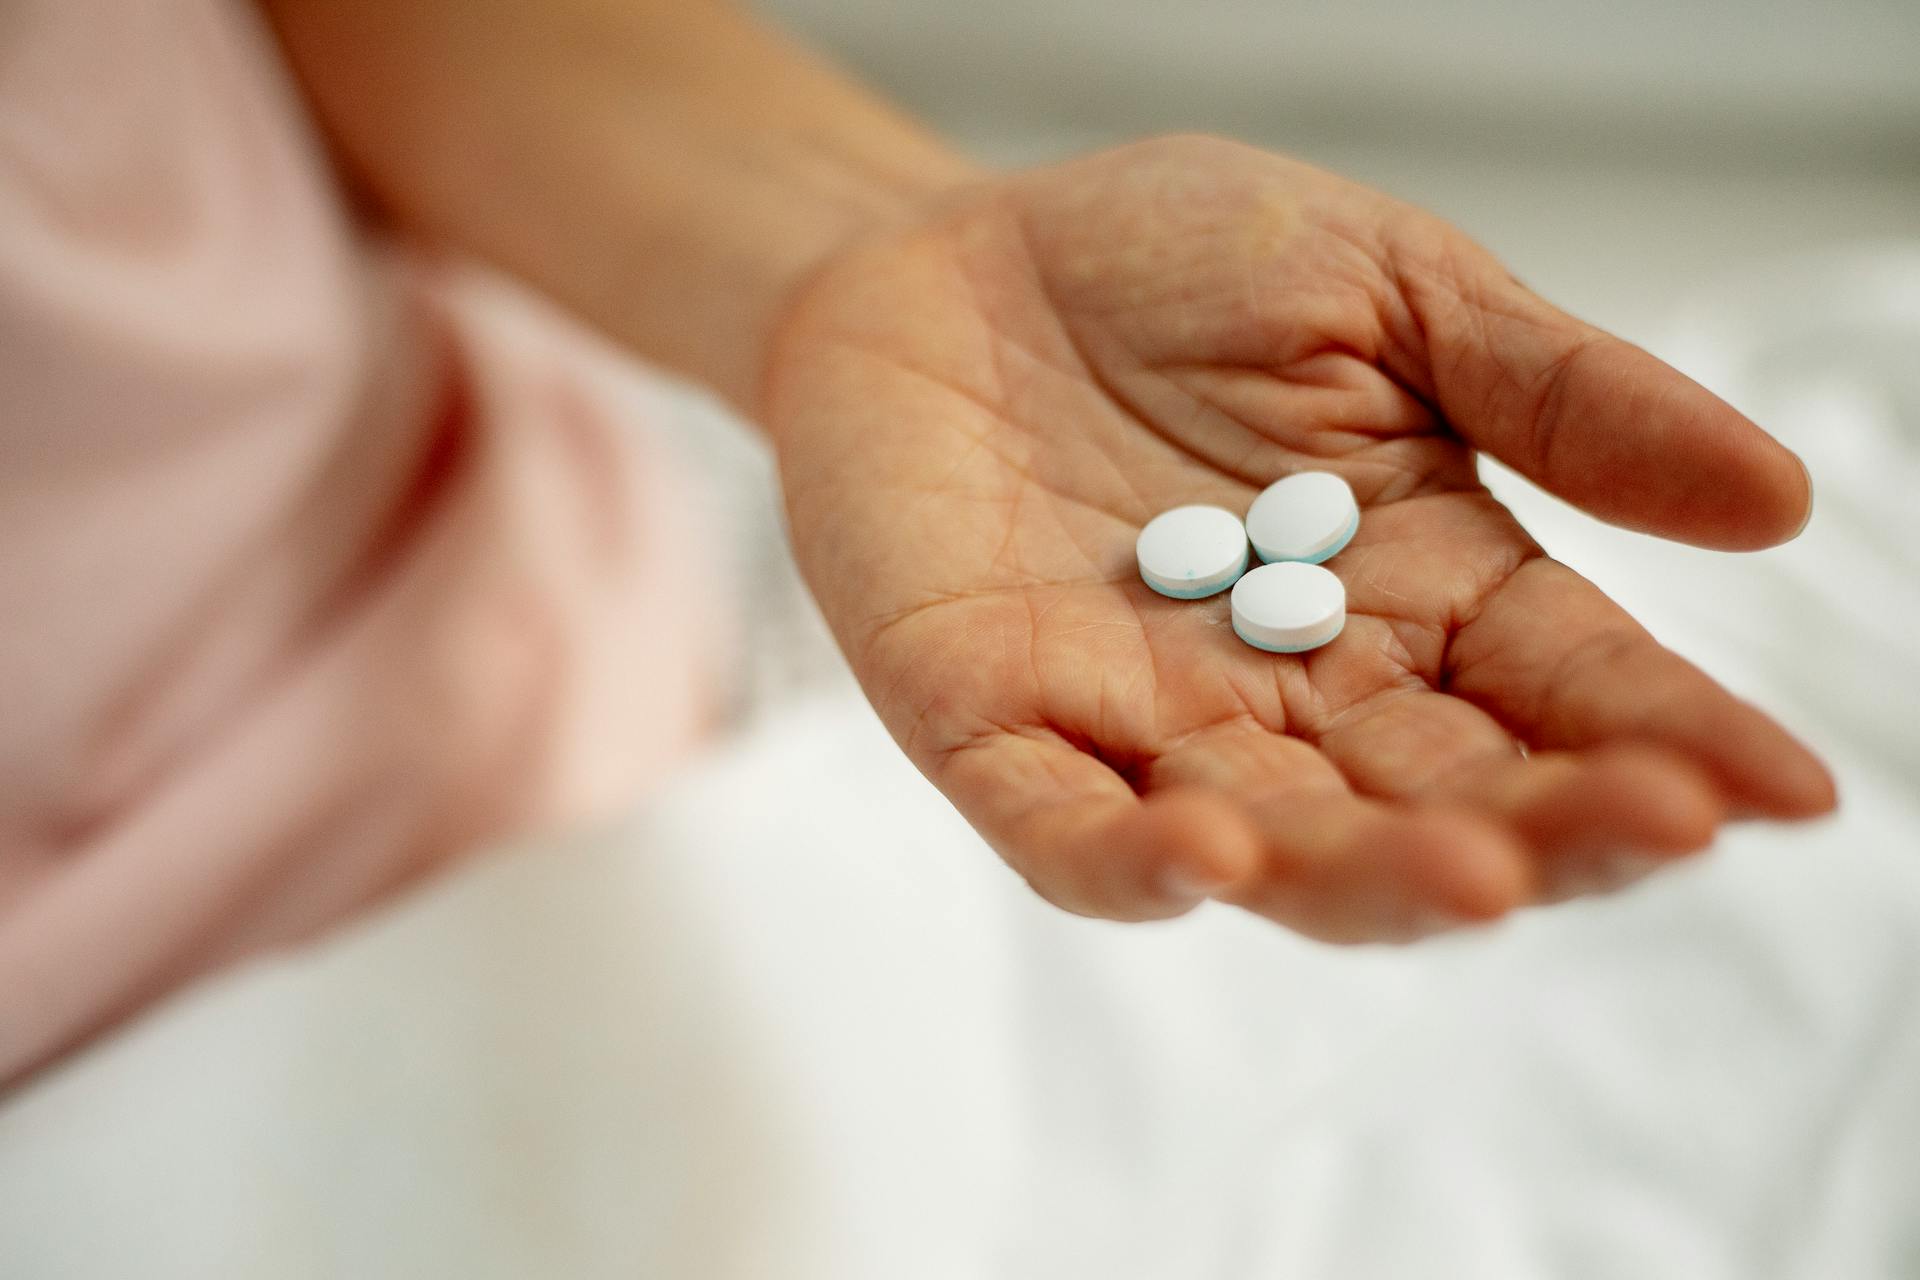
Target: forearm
[{"x": 667, "y": 168}]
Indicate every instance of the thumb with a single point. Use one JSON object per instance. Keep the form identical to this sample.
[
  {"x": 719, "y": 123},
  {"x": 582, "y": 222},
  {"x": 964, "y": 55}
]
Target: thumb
[{"x": 1591, "y": 418}]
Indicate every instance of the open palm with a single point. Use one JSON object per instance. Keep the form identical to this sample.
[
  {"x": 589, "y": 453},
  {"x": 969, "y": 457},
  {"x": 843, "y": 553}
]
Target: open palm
[{"x": 976, "y": 415}]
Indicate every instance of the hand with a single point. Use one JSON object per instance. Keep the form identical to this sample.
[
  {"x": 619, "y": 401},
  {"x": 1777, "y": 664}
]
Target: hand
[{"x": 976, "y": 415}]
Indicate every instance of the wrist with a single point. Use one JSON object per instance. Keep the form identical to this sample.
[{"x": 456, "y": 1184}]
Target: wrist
[
  {"x": 668, "y": 169},
  {"x": 831, "y": 196}
]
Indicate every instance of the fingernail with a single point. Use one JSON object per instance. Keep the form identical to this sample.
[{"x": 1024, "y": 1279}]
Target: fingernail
[
  {"x": 1808, "y": 518},
  {"x": 1625, "y": 868},
  {"x": 1605, "y": 873},
  {"x": 1431, "y": 922},
  {"x": 1183, "y": 884}
]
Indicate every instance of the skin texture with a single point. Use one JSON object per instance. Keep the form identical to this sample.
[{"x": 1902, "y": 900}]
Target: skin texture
[
  {"x": 976, "y": 416},
  {"x": 981, "y": 387}
]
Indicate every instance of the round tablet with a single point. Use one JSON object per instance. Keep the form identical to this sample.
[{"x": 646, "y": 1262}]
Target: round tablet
[
  {"x": 1307, "y": 516},
  {"x": 1190, "y": 552},
  {"x": 1289, "y": 607}
]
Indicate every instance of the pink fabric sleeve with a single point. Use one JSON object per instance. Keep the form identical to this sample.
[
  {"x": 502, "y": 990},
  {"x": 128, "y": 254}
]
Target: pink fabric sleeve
[{"x": 318, "y": 567}]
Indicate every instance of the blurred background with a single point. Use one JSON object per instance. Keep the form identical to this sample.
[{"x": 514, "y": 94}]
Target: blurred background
[
  {"x": 791, "y": 1020},
  {"x": 1618, "y": 156}
]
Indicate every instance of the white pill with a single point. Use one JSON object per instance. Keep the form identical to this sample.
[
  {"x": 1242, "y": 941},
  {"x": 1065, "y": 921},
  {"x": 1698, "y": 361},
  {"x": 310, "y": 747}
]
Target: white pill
[
  {"x": 1190, "y": 552},
  {"x": 1289, "y": 607},
  {"x": 1308, "y": 516}
]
